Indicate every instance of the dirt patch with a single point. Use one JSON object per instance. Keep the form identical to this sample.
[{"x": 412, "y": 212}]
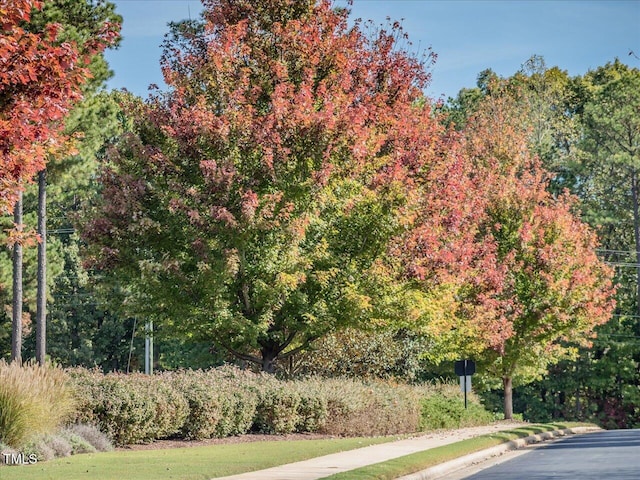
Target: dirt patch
[{"x": 159, "y": 444}]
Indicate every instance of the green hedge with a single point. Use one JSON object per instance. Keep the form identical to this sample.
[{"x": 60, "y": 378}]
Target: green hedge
[
  {"x": 129, "y": 408},
  {"x": 228, "y": 401},
  {"x": 445, "y": 410},
  {"x": 219, "y": 403}
]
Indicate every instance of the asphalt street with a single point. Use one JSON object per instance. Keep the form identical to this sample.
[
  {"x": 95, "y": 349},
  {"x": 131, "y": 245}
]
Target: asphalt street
[{"x": 604, "y": 455}]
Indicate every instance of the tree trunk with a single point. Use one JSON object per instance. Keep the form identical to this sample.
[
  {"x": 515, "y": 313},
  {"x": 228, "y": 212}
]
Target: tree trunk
[
  {"x": 41, "y": 300},
  {"x": 269, "y": 356},
  {"x": 16, "y": 339},
  {"x": 636, "y": 232},
  {"x": 508, "y": 398}
]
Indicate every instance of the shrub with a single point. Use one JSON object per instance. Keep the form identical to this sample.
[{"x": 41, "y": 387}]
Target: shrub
[
  {"x": 440, "y": 412},
  {"x": 245, "y": 403},
  {"x": 115, "y": 403},
  {"x": 229, "y": 401},
  {"x": 33, "y": 400},
  {"x": 92, "y": 435},
  {"x": 221, "y": 402},
  {"x": 313, "y": 407},
  {"x": 6, "y": 450},
  {"x": 238, "y": 408},
  {"x": 171, "y": 407},
  {"x": 376, "y": 408},
  {"x": 277, "y": 409},
  {"x": 444, "y": 409},
  {"x": 130, "y": 408},
  {"x": 204, "y": 411},
  {"x": 87, "y": 394},
  {"x": 126, "y": 415}
]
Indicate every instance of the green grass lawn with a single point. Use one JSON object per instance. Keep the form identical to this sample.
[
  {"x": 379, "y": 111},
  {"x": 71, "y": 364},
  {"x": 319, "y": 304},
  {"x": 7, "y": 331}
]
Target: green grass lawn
[
  {"x": 200, "y": 463},
  {"x": 192, "y": 463}
]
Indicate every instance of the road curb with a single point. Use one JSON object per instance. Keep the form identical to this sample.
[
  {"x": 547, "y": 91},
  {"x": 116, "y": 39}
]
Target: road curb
[{"x": 438, "y": 471}]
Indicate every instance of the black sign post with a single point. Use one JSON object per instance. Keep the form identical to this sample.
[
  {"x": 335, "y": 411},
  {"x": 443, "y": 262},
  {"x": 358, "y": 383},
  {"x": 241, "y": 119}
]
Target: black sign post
[{"x": 464, "y": 369}]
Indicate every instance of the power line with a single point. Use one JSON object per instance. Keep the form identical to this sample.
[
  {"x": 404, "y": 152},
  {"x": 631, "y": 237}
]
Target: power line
[
  {"x": 623, "y": 264},
  {"x": 606, "y": 250}
]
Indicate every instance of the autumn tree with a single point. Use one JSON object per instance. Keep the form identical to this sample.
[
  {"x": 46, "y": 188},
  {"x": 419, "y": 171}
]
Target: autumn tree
[
  {"x": 447, "y": 266},
  {"x": 571, "y": 124},
  {"x": 554, "y": 290},
  {"x": 40, "y": 80},
  {"x": 254, "y": 202},
  {"x": 606, "y": 106},
  {"x": 542, "y": 101},
  {"x": 590, "y": 131}
]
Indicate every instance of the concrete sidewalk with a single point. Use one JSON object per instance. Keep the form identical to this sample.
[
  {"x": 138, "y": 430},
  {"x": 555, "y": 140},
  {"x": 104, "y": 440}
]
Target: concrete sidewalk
[{"x": 344, "y": 461}]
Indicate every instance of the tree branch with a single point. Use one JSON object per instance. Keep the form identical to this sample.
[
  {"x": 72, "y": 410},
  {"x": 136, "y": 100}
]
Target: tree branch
[
  {"x": 287, "y": 342},
  {"x": 299, "y": 348},
  {"x": 240, "y": 355}
]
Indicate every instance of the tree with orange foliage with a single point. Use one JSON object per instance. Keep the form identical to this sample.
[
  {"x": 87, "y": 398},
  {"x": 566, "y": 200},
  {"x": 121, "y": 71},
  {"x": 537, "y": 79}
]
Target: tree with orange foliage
[
  {"x": 553, "y": 289},
  {"x": 254, "y": 204},
  {"x": 40, "y": 79}
]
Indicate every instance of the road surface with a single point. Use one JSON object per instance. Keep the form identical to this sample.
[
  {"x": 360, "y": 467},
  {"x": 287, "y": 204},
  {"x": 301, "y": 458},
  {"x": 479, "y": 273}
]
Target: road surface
[{"x": 603, "y": 455}]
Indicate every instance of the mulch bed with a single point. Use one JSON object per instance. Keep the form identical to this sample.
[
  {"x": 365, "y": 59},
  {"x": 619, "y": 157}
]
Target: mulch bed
[{"x": 159, "y": 444}]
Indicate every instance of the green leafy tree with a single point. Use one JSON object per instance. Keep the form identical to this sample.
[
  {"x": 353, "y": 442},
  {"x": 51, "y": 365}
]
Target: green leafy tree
[
  {"x": 602, "y": 166},
  {"x": 600, "y": 385},
  {"x": 357, "y": 353},
  {"x": 608, "y": 158},
  {"x": 253, "y": 204}
]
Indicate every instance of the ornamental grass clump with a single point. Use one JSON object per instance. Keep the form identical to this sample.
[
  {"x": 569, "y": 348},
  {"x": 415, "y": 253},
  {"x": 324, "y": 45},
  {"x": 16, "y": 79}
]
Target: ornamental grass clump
[
  {"x": 71, "y": 440},
  {"x": 33, "y": 400},
  {"x": 92, "y": 435}
]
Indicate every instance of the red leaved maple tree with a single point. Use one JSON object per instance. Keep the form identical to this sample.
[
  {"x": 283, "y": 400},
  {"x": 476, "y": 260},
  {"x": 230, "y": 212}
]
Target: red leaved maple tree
[
  {"x": 40, "y": 79},
  {"x": 255, "y": 201},
  {"x": 553, "y": 290},
  {"x": 514, "y": 263}
]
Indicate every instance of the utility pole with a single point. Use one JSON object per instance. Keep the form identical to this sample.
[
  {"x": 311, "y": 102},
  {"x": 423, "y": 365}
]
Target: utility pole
[
  {"x": 148, "y": 348},
  {"x": 16, "y": 338},
  {"x": 41, "y": 300}
]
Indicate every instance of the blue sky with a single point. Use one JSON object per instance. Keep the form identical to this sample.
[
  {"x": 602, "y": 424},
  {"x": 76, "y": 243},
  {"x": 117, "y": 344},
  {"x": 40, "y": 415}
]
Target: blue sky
[{"x": 468, "y": 35}]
